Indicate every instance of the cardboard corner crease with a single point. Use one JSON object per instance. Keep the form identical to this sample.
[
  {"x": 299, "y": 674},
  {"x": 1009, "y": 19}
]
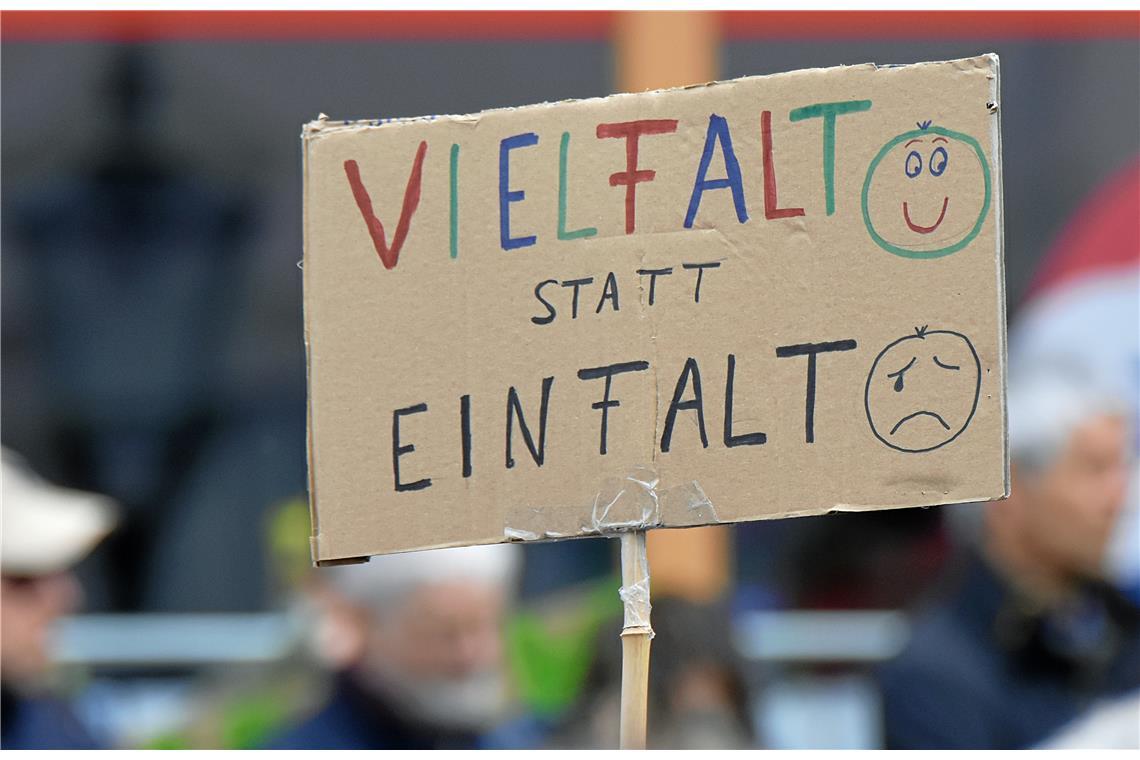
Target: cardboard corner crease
[{"x": 787, "y": 289}]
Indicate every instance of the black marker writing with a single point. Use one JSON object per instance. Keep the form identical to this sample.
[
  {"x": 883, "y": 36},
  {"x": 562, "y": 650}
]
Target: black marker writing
[
  {"x": 515, "y": 407},
  {"x": 811, "y": 350},
  {"x": 700, "y": 275},
  {"x": 744, "y": 439},
  {"x": 696, "y": 402},
  {"x": 399, "y": 450}
]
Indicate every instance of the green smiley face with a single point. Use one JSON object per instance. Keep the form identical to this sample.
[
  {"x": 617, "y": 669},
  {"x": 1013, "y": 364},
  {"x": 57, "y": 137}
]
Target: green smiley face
[{"x": 927, "y": 193}]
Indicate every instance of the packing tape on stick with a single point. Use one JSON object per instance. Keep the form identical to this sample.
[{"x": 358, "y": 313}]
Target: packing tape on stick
[
  {"x": 635, "y": 501},
  {"x": 634, "y": 591}
]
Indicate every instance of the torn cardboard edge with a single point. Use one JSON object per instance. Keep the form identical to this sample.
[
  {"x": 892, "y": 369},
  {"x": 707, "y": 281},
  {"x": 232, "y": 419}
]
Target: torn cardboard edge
[
  {"x": 325, "y": 125},
  {"x": 639, "y": 506},
  {"x": 518, "y": 535},
  {"x": 999, "y": 248}
]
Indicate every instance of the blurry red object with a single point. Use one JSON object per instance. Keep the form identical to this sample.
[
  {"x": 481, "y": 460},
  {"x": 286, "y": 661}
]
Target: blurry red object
[{"x": 1103, "y": 235}]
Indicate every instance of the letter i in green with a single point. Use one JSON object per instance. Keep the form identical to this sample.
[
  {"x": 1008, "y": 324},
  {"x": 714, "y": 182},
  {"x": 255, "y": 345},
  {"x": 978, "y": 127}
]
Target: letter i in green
[{"x": 454, "y": 201}]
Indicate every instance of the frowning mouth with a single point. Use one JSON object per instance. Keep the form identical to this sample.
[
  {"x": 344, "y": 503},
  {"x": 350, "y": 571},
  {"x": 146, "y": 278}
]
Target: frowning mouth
[
  {"x": 918, "y": 227},
  {"x": 909, "y": 417}
]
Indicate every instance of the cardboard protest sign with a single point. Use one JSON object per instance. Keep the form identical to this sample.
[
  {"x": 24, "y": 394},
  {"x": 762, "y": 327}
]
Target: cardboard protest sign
[{"x": 766, "y": 297}]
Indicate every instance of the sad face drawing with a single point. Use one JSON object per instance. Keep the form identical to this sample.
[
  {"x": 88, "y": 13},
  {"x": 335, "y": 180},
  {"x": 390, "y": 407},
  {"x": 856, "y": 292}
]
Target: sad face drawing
[{"x": 922, "y": 390}]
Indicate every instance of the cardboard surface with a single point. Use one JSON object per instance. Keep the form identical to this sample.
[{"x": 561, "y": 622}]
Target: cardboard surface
[{"x": 828, "y": 252}]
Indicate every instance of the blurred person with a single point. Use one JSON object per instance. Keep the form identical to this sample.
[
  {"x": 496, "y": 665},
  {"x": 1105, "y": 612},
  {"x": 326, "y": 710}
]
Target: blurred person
[
  {"x": 1034, "y": 634},
  {"x": 1122, "y": 563},
  {"x": 1082, "y": 311},
  {"x": 416, "y": 645},
  {"x": 697, "y": 694},
  {"x": 46, "y": 531}
]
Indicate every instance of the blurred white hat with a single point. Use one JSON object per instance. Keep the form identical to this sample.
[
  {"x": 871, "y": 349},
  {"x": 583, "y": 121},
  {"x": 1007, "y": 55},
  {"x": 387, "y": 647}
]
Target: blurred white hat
[
  {"x": 45, "y": 528},
  {"x": 382, "y": 581}
]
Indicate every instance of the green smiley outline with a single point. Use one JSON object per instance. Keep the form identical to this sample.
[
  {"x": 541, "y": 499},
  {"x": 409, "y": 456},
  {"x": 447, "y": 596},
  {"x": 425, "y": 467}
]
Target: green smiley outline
[{"x": 938, "y": 253}]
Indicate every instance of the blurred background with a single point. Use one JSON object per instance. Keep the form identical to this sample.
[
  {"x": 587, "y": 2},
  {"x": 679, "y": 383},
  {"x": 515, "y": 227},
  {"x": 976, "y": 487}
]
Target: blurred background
[{"x": 152, "y": 347}]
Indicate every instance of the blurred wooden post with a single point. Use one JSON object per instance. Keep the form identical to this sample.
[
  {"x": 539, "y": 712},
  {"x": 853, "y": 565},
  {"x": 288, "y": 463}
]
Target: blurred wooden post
[
  {"x": 654, "y": 50},
  {"x": 635, "y": 640},
  {"x": 672, "y": 49}
]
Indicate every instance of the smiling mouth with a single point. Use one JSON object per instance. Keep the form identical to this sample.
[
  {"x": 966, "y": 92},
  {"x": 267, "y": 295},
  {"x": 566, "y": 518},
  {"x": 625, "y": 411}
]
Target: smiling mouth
[
  {"x": 909, "y": 417},
  {"x": 918, "y": 227}
]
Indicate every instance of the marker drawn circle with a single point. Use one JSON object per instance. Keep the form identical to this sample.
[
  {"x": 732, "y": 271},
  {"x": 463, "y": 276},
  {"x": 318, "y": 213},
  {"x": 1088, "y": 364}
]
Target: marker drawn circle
[
  {"x": 947, "y": 250},
  {"x": 973, "y": 406}
]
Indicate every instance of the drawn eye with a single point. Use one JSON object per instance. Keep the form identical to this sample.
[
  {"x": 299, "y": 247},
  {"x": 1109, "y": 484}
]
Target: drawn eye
[
  {"x": 938, "y": 161},
  {"x": 898, "y": 374},
  {"x": 913, "y": 166},
  {"x": 944, "y": 365}
]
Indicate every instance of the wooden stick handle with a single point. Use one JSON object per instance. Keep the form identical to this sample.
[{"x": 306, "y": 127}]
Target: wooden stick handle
[{"x": 635, "y": 637}]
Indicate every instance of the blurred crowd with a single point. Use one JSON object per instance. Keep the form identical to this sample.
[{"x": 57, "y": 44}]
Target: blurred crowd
[{"x": 128, "y": 294}]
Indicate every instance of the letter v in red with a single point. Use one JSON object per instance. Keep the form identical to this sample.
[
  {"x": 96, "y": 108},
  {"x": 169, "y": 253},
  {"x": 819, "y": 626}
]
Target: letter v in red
[{"x": 388, "y": 256}]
